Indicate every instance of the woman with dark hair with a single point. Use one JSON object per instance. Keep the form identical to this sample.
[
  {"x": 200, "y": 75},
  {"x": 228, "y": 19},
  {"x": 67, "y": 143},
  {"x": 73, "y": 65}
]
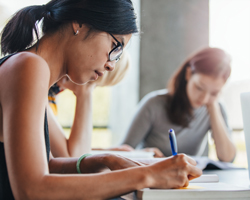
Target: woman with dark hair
[
  {"x": 81, "y": 39},
  {"x": 189, "y": 106}
]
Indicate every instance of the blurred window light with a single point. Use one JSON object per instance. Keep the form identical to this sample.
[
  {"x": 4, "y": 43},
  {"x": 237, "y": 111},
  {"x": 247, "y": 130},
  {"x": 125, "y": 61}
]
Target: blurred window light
[
  {"x": 229, "y": 23},
  {"x": 230, "y": 30}
]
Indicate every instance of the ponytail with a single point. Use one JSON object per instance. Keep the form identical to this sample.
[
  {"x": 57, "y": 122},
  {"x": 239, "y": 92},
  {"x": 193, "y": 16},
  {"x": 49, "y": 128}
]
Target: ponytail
[{"x": 17, "y": 35}]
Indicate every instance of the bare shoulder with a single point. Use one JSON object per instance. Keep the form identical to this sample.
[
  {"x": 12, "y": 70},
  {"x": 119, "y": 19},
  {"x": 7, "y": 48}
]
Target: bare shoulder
[
  {"x": 26, "y": 61},
  {"x": 25, "y": 64},
  {"x": 24, "y": 71}
]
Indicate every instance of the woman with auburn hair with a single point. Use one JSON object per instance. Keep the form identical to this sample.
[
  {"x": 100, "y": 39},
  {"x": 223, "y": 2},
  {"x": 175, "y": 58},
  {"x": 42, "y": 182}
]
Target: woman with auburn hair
[
  {"x": 79, "y": 140},
  {"x": 189, "y": 106},
  {"x": 81, "y": 39}
]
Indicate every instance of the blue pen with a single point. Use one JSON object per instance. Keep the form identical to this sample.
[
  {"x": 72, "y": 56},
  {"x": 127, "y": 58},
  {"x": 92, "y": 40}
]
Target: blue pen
[{"x": 173, "y": 142}]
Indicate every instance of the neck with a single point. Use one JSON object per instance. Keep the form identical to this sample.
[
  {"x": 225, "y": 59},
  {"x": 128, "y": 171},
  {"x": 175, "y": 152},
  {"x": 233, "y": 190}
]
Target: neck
[{"x": 51, "y": 49}]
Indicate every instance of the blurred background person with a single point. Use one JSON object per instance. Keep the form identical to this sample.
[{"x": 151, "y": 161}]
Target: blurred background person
[{"x": 189, "y": 106}]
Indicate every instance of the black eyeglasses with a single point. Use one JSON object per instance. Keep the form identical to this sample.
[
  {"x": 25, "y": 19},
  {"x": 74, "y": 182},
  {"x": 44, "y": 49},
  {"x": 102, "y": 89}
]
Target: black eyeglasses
[{"x": 116, "y": 52}]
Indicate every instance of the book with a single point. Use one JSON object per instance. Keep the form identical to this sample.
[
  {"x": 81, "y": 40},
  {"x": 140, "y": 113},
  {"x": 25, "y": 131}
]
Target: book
[{"x": 215, "y": 191}]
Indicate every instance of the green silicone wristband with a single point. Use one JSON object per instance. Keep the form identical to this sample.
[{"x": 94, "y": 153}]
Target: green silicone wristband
[{"x": 79, "y": 162}]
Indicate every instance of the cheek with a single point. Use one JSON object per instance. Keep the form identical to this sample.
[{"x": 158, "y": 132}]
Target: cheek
[
  {"x": 100, "y": 52},
  {"x": 98, "y": 60},
  {"x": 90, "y": 56}
]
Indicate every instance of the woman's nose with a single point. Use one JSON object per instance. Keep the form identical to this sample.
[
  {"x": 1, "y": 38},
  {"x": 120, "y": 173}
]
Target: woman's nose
[{"x": 110, "y": 66}]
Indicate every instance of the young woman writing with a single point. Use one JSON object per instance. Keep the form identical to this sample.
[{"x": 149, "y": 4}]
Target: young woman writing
[
  {"x": 190, "y": 106},
  {"x": 82, "y": 39}
]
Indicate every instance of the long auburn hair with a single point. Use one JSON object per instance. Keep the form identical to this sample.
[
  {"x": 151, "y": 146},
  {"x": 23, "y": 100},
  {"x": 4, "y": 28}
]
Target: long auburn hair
[{"x": 209, "y": 61}]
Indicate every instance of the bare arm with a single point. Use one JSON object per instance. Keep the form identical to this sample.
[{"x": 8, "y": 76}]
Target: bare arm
[
  {"x": 58, "y": 141},
  {"x": 79, "y": 141},
  {"x": 81, "y": 131},
  {"x": 225, "y": 148},
  {"x": 28, "y": 170},
  {"x": 25, "y": 145}
]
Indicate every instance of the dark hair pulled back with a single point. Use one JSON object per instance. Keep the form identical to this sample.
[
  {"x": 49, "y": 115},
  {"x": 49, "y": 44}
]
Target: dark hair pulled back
[{"x": 112, "y": 16}]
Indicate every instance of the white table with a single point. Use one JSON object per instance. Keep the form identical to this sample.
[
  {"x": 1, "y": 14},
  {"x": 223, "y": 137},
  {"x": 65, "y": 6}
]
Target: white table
[{"x": 238, "y": 178}]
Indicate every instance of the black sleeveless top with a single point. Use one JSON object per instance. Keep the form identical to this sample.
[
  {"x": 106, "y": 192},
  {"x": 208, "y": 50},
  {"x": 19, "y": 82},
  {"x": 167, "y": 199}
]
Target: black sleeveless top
[{"x": 5, "y": 189}]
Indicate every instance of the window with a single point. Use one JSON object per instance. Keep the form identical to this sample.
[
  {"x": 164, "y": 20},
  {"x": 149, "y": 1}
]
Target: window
[{"x": 230, "y": 30}]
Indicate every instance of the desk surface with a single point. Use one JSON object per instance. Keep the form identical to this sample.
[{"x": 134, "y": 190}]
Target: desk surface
[{"x": 238, "y": 178}]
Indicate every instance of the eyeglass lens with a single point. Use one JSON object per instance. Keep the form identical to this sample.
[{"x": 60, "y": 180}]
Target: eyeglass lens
[{"x": 116, "y": 53}]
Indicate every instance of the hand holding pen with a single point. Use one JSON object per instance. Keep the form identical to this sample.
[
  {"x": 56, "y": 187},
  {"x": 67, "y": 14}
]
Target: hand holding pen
[{"x": 174, "y": 172}]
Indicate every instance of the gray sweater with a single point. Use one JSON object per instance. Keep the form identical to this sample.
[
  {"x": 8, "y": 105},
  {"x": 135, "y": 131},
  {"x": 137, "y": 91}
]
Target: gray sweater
[{"x": 150, "y": 126}]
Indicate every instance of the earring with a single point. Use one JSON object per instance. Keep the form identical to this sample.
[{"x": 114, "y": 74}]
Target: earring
[{"x": 76, "y": 33}]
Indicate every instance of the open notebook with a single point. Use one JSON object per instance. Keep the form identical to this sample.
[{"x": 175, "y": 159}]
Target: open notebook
[{"x": 206, "y": 163}]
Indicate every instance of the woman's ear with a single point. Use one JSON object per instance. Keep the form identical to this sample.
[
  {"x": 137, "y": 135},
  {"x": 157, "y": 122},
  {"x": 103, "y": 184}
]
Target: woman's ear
[
  {"x": 76, "y": 27},
  {"x": 188, "y": 73}
]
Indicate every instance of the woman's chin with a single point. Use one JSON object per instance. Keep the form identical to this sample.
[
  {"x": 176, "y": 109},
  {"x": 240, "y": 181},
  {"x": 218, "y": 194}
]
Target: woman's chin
[
  {"x": 197, "y": 105},
  {"x": 78, "y": 81}
]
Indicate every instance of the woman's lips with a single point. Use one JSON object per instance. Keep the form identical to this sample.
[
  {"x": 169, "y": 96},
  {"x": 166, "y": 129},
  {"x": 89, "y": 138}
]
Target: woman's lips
[
  {"x": 99, "y": 73},
  {"x": 96, "y": 77}
]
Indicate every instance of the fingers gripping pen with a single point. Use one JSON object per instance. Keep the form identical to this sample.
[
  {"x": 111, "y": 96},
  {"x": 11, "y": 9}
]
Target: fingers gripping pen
[{"x": 173, "y": 142}]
